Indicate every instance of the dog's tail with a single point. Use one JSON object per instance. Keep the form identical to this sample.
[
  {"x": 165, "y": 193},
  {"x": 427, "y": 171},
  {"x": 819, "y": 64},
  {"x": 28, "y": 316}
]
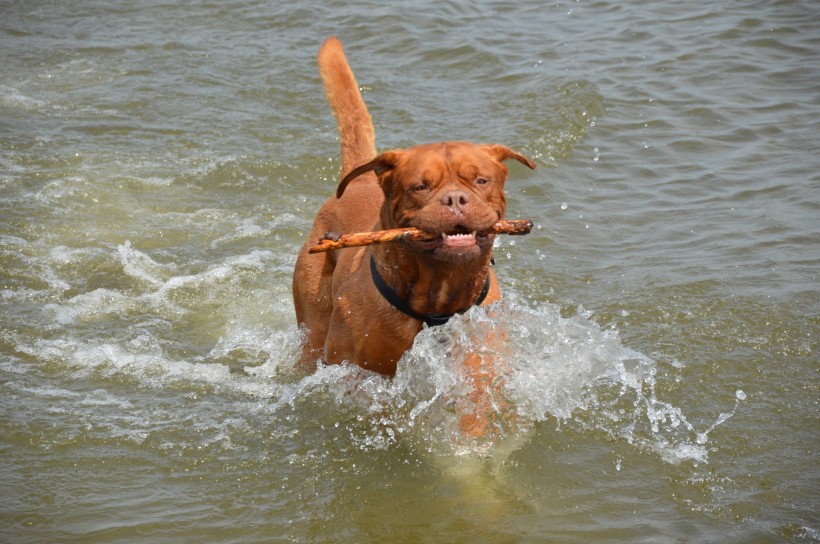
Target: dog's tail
[{"x": 356, "y": 134}]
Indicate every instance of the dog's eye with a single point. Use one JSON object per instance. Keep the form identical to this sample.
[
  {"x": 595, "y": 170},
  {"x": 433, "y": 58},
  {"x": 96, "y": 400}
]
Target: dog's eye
[
  {"x": 421, "y": 187},
  {"x": 482, "y": 181}
]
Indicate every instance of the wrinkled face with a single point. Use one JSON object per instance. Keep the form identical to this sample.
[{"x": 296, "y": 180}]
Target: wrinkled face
[
  {"x": 451, "y": 189},
  {"x": 455, "y": 189}
]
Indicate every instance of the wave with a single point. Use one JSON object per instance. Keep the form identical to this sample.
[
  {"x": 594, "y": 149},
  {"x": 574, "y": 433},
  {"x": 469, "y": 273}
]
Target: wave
[{"x": 550, "y": 370}]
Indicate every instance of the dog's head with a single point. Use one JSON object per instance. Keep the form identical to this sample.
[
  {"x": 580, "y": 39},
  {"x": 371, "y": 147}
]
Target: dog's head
[{"x": 455, "y": 189}]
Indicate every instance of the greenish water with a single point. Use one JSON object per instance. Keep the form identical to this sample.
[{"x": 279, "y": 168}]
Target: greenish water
[{"x": 160, "y": 164}]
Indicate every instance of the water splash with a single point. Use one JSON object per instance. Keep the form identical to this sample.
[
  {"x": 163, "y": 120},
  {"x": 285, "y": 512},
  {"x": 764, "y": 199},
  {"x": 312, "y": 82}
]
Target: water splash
[
  {"x": 550, "y": 368},
  {"x": 703, "y": 437},
  {"x": 567, "y": 370}
]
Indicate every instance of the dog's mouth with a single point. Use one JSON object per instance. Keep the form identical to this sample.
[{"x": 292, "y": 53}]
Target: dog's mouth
[
  {"x": 460, "y": 239},
  {"x": 458, "y": 242}
]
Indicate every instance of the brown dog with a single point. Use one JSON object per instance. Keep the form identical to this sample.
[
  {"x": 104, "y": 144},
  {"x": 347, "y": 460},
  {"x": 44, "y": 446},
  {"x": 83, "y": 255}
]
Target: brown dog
[{"x": 366, "y": 305}]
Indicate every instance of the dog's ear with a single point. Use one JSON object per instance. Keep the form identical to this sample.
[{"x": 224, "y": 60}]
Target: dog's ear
[
  {"x": 381, "y": 164},
  {"x": 502, "y": 153}
]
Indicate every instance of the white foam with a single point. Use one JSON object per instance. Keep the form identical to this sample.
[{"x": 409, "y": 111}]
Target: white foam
[
  {"x": 14, "y": 99},
  {"x": 256, "y": 260},
  {"x": 156, "y": 181},
  {"x": 549, "y": 367},
  {"x": 142, "y": 267},
  {"x": 95, "y": 304},
  {"x": 160, "y": 285},
  {"x": 243, "y": 228},
  {"x": 552, "y": 367}
]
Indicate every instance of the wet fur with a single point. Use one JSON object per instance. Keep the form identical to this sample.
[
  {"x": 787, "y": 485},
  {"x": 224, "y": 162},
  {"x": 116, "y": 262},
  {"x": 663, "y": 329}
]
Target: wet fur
[{"x": 445, "y": 187}]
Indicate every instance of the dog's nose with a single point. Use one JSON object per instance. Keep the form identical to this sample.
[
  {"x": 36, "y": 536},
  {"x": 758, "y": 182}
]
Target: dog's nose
[{"x": 456, "y": 200}]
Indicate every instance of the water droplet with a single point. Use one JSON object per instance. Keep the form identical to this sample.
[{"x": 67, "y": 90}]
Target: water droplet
[
  {"x": 701, "y": 438},
  {"x": 740, "y": 394},
  {"x": 564, "y": 205}
]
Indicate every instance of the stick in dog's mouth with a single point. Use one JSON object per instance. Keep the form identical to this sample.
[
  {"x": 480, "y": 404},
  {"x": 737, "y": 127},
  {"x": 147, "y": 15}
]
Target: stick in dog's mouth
[{"x": 336, "y": 241}]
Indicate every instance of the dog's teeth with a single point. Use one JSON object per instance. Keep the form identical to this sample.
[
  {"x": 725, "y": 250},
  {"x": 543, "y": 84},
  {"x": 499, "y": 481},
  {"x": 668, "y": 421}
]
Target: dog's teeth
[{"x": 446, "y": 236}]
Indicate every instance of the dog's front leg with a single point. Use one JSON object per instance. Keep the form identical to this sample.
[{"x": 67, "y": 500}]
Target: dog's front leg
[{"x": 486, "y": 412}]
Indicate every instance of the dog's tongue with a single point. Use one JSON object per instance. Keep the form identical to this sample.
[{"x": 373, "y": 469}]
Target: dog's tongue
[{"x": 458, "y": 240}]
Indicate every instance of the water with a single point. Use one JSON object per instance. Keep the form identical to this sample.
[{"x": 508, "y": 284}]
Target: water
[{"x": 159, "y": 168}]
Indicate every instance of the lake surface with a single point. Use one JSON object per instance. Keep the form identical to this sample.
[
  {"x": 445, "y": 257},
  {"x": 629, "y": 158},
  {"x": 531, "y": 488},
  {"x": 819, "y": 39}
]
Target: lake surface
[{"x": 160, "y": 165}]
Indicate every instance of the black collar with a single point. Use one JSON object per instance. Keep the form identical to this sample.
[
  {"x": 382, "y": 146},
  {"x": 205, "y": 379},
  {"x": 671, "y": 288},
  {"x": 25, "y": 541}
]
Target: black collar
[{"x": 431, "y": 320}]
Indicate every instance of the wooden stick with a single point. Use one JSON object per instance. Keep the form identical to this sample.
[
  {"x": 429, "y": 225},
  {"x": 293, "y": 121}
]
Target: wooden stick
[{"x": 332, "y": 241}]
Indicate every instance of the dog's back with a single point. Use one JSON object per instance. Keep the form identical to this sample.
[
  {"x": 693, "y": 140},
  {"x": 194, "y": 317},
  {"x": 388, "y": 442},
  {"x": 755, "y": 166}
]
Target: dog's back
[{"x": 359, "y": 210}]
